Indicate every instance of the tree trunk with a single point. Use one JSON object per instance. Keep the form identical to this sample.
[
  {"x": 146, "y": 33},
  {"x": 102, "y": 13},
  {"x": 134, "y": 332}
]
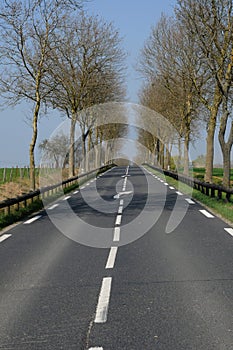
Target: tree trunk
[
  {"x": 161, "y": 155},
  {"x": 186, "y": 151},
  {"x": 226, "y": 153},
  {"x": 100, "y": 150},
  {"x": 33, "y": 143},
  {"x": 89, "y": 155},
  {"x": 225, "y": 146},
  {"x": 179, "y": 159},
  {"x": 158, "y": 151},
  {"x": 72, "y": 148},
  {"x": 84, "y": 150},
  {"x": 210, "y": 136},
  {"x": 167, "y": 157}
]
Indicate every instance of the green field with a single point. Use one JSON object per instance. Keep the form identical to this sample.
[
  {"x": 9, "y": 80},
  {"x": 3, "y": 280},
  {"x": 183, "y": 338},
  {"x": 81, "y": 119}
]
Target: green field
[
  {"x": 12, "y": 174},
  {"x": 199, "y": 173}
]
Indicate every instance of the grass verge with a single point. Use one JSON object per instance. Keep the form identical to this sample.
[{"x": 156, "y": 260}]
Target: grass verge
[{"x": 218, "y": 206}]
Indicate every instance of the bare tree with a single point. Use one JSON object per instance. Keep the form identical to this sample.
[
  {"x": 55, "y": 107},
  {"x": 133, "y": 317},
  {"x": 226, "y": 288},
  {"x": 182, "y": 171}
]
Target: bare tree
[
  {"x": 211, "y": 23},
  {"x": 28, "y": 27},
  {"x": 89, "y": 71}
]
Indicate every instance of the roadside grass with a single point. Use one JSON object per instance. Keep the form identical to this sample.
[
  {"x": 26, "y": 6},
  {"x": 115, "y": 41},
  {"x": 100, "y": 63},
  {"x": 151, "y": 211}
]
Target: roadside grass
[
  {"x": 218, "y": 206},
  {"x": 38, "y": 204}
]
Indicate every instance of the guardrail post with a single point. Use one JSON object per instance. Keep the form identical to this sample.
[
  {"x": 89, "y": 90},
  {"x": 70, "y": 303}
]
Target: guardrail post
[
  {"x": 219, "y": 194},
  {"x": 7, "y": 210}
]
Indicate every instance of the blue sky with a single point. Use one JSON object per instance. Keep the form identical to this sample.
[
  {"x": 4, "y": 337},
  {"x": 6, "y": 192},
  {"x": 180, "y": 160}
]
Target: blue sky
[{"x": 134, "y": 20}]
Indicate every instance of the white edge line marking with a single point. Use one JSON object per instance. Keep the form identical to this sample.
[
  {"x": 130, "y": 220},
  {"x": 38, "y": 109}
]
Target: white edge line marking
[
  {"x": 67, "y": 197},
  {"x": 179, "y": 193},
  {"x": 116, "y": 237},
  {"x": 53, "y": 207},
  {"x": 103, "y": 302},
  {"x": 111, "y": 258},
  {"x": 76, "y": 192},
  {"x": 118, "y": 220},
  {"x": 165, "y": 183},
  {"x": 229, "y": 230},
  {"x": 96, "y": 348},
  {"x": 4, "y": 237},
  {"x": 122, "y": 202},
  {"x": 190, "y": 201},
  {"x": 206, "y": 213},
  {"x": 171, "y": 188},
  {"x": 32, "y": 220}
]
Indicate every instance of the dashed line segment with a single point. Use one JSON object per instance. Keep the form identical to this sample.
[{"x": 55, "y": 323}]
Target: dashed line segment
[
  {"x": 229, "y": 230},
  {"x": 103, "y": 302},
  {"x": 4, "y": 237},
  {"x": 111, "y": 258},
  {"x": 30, "y": 221},
  {"x": 206, "y": 213}
]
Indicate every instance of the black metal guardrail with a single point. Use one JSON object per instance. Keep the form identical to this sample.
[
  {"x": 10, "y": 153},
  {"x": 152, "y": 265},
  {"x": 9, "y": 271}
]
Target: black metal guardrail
[
  {"x": 211, "y": 190},
  {"x": 13, "y": 204}
]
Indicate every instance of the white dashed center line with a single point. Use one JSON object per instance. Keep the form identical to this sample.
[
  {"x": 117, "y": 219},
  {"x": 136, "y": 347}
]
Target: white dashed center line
[
  {"x": 206, "y": 213},
  {"x": 103, "y": 302},
  {"x": 96, "y": 348},
  {"x": 111, "y": 258},
  {"x": 32, "y": 220},
  {"x": 120, "y": 210},
  {"x": 4, "y": 237},
  {"x": 116, "y": 237},
  {"x": 118, "y": 220},
  {"x": 122, "y": 202}
]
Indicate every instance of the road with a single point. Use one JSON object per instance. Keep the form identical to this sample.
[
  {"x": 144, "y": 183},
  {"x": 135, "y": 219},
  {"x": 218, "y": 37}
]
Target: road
[{"x": 122, "y": 281}]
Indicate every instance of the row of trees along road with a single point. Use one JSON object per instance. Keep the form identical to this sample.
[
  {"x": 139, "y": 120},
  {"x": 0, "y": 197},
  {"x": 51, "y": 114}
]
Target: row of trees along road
[
  {"x": 188, "y": 65},
  {"x": 55, "y": 55}
]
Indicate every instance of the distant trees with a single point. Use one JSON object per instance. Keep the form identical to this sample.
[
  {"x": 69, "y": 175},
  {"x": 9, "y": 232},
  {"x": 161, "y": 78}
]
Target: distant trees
[
  {"x": 191, "y": 56},
  {"x": 56, "y": 149}
]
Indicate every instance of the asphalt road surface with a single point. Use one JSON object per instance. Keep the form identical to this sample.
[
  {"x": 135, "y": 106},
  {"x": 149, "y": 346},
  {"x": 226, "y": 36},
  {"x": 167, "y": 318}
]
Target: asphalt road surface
[{"x": 98, "y": 270}]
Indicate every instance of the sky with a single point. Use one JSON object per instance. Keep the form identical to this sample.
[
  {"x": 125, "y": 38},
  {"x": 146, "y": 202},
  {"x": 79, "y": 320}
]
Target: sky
[{"x": 134, "y": 20}]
